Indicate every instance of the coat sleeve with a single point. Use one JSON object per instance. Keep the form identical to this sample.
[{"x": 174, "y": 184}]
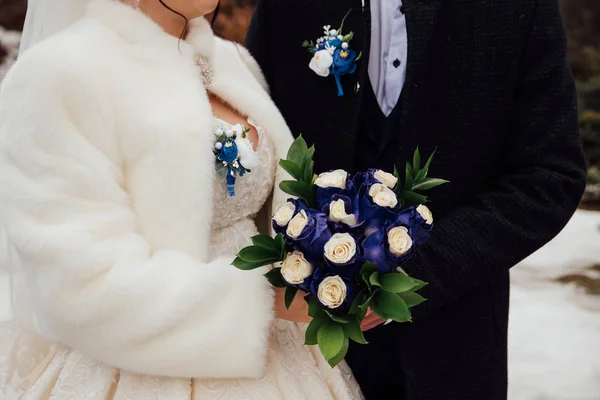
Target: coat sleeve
[
  {"x": 96, "y": 283},
  {"x": 536, "y": 193}
]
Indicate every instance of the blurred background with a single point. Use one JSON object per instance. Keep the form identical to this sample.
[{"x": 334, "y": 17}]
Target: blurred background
[{"x": 554, "y": 335}]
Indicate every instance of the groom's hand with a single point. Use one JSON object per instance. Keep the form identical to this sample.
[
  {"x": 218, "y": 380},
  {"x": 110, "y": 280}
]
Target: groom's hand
[{"x": 371, "y": 321}]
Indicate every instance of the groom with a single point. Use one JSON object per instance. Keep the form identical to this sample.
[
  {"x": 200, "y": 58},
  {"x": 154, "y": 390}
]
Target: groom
[{"x": 488, "y": 85}]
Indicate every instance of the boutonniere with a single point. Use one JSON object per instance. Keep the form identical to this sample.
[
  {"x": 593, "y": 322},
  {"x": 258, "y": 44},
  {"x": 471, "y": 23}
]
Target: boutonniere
[
  {"x": 234, "y": 154},
  {"x": 332, "y": 54}
]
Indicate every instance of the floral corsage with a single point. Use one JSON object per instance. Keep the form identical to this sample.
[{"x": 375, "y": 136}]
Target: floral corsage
[
  {"x": 332, "y": 54},
  {"x": 234, "y": 154}
]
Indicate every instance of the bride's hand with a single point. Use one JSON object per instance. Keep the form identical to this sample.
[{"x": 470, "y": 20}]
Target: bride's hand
[{"x": 298, "y": 311}]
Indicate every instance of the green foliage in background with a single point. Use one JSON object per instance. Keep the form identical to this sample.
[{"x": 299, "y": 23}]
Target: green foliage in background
[{"x": 589, "y": 121}]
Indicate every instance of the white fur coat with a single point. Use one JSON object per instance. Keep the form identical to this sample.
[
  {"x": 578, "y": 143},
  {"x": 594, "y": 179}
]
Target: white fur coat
[{"x": 106, "y": 171}]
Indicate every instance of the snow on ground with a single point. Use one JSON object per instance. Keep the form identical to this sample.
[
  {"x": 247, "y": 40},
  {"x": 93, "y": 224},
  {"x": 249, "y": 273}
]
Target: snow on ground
[
  {"x": 554, "y": 331},
  {"x": 554, "y": 334}
]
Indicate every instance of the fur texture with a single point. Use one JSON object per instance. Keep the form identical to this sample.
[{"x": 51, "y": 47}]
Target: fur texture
[{"x": 106, "y": 171}]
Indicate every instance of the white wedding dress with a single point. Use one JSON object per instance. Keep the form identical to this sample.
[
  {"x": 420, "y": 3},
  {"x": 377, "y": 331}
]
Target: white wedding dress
[{"x": 294, "y": 372}]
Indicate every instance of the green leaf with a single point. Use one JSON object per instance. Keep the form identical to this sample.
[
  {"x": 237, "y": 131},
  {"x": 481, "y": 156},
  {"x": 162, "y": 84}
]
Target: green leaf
[
  {"x": 354, "y": 331},
  {"x": 303, "y": 190},
  {"x": 274, "y": 277},
  {"x": 428, "y": 163},
  {"x": 368, "y": 267},
  {"x": 396, "y": 172},
  {"x": 280, "y": 245},
  {"x": 330, "y": 338},
  {"x": 358, "y": 300},
  {"x": 397, "y": 283},
  {"x": 413, "y": 199},
  {"x": 341, "y": 355},
  {"x": 374, "y": 279},
  {"x": 358, "y": 57},
  {"x": 310, "y": 153},
  {"x": 245, "y": 265},
  {"x": 392, "y": 306},
  {"x": 412, "y": 299},
  {"x": 307, "y": 172},
  {"x": 337, "y": 318},
  {"x": 417, "y": 160},
  {"x": 348, "y": 38},
  {"x": 420, "y": 284},
  {"x": 292, "y": 168},
  {"x": 419, "y": 177},
  {"x": 429, "y": 183},
  {"x": 265, "y": 241},
  {"x": 314, "y": 307},
  {"x": 377, "y": 309},
  {"x": 259, "y": 254},
  {"x": 310, "y": 337},
  {"x": 290, "y": 293},
  {"x": 408, "y": 178},
  {"x": 297, "y": 151}
]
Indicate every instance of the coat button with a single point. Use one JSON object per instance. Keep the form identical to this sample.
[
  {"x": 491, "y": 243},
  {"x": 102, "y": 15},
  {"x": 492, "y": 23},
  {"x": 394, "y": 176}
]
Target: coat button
[{"x": 357, "y": 88}]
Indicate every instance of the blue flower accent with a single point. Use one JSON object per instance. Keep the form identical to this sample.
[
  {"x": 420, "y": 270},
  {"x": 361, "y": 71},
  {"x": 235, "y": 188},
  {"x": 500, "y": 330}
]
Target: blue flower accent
[
  {"x": 229, "y": 151},
  {"x": 344, "y": 63},
  {"x": 227, "y": 157}
]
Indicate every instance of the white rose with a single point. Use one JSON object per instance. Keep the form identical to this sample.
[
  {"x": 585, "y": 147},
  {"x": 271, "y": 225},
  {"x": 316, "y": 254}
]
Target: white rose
[
  {"x": 332, "y": 291},
  {"x": 337, "y": 213},
  {"x": 321, "y": 62},
  {"x": 383, "y": 196},
  {"x": 340, "y": 249},
  {"x": 295, "y": 269},
  {"x": 386, "y": 178},
  {"x": 399, "y": 240},
  {"x": 336, "y": 179},
  {"x": 297, "y": 225},
  {"x": 284, "y": 213},
  {"x": 425, "y": 213}
]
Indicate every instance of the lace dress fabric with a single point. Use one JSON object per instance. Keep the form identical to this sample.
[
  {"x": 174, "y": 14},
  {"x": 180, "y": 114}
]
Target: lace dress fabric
[{"x": 295, "y": 371}]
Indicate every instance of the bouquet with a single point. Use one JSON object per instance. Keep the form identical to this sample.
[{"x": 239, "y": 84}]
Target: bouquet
[{"x": 342, "y": 240}]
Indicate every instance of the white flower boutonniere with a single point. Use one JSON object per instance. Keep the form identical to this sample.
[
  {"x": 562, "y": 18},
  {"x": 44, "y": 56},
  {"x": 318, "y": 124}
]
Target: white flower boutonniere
[{"x": 332, "y": 54}]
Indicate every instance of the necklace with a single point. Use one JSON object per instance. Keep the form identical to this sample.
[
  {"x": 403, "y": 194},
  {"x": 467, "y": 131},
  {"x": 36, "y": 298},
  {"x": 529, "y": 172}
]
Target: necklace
[{"x": 205, "y": 70}]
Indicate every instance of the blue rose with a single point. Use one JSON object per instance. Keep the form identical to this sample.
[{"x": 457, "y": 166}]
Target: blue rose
[
  {"x": 308, "y": 231},
  {"x": 229, "y": 151},
  {"x": 344, "y": 62},
  {"x": 395, "y": 241},
  {"x": 371, "y": 214},
  {"x": 330, "y": 183}
]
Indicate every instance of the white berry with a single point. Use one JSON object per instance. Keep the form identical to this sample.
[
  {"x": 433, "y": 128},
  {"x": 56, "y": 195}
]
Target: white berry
[
  {"x": 229, "y": 133},
  {"x": 218, "y": 145},
  {"x": 219, "y": 131},
  {"x": 333, "y": 32},
  {"x": 344, "y": 45},
  {"x": 340, "y": 37}
]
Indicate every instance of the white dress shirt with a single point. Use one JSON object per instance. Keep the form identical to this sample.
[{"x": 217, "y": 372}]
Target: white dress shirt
[{"x": 389, "y": 52}]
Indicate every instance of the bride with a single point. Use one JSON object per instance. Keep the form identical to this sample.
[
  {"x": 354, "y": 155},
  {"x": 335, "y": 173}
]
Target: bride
[{"x": 122, "y": 228}]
